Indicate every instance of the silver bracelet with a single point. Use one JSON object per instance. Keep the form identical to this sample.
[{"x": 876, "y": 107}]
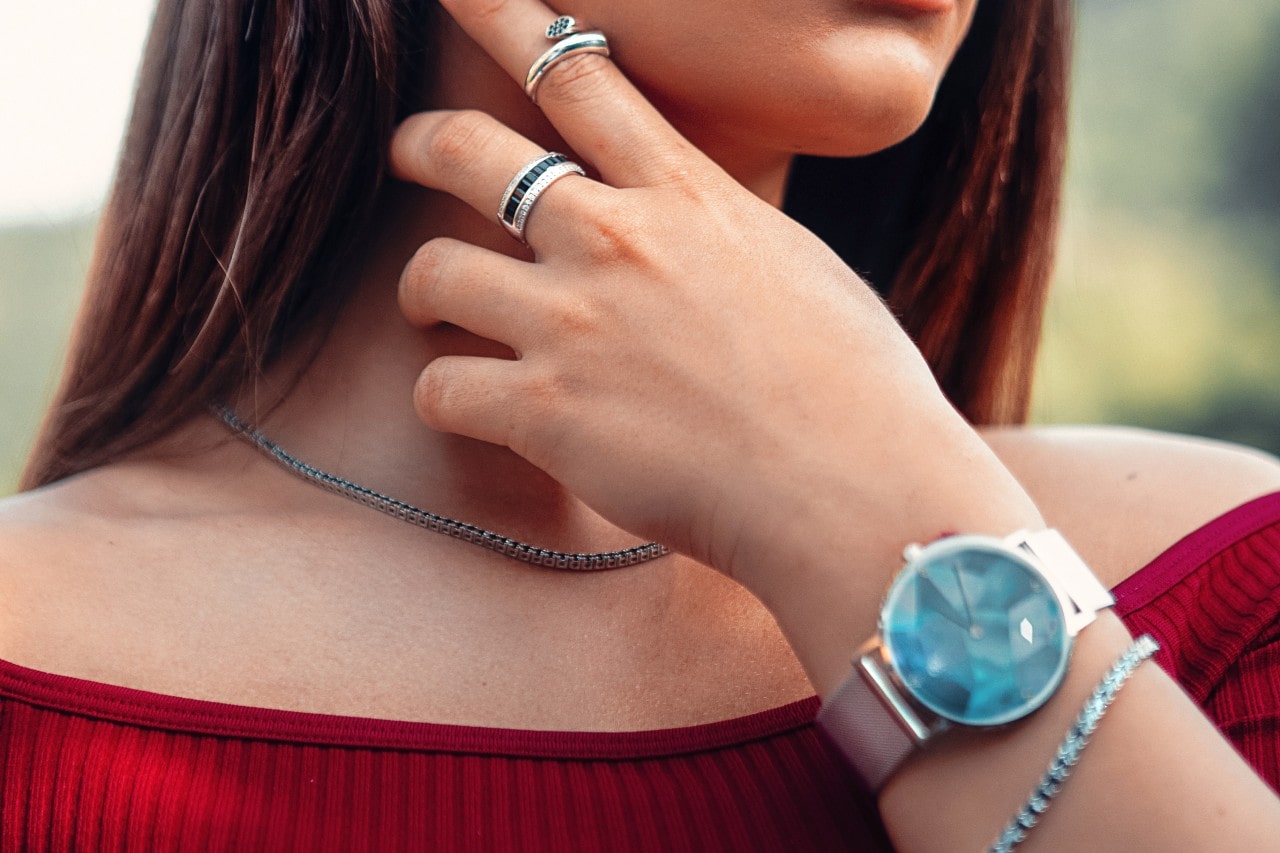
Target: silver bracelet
[{"x": 1077, "y": 739}]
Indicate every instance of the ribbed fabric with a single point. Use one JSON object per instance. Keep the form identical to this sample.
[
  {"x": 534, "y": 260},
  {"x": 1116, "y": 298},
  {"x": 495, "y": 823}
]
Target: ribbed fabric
[
  {"x": 89, "y": 766},
  {"x": 94, "y": 766},
  {"x": 1213, "y": 603}
]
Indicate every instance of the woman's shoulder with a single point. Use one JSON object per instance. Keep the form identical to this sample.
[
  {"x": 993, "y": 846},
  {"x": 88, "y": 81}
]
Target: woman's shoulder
[
  {"x": 72, "y": 515},
  {"x": 41, "y": 532},
  {"x": 71, "y": 550},
  {"x": 1124, "y": 495},
  {"x": 36, "y": 526},
  {"x": 124, "y": 506}
]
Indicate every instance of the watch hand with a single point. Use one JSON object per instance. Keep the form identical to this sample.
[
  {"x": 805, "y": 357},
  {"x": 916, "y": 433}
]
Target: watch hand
[{"x": 964, "y": 598}]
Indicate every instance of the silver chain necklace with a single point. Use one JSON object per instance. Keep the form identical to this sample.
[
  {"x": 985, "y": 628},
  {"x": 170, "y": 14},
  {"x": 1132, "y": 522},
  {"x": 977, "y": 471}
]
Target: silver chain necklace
[{"x": 438, "y": 523}]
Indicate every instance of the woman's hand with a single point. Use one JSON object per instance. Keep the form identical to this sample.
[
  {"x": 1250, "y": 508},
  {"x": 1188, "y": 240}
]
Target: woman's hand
[
  {"x": 692, "y": 364},
  {"x": 703, "y": 371}
]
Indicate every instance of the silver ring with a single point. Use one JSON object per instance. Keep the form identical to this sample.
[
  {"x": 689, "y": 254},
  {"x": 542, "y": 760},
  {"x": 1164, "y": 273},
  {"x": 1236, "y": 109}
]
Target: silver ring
[
  {"x": 588, "y": 42},
  {"x": 530, "y": 182}
]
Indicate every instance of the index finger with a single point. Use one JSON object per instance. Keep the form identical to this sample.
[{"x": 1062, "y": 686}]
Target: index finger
[{"x": 602, "y": 116}]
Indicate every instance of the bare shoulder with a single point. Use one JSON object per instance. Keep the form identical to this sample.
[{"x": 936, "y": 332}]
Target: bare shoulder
[
  {"x": 115, "y": 513},
  {"x": 39, "y": 531},
  {"x": 76, "y": 554},
  {"x": 38, "y": 526},
  {"x": 73, "y": 514},
  {"x": 1124, "y": 495}
]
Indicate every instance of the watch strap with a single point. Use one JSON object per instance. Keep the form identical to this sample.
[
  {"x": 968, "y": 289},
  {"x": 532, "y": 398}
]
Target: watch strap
[
  {"x": 856, "y": 719},
  {"x": 1086, "y": 594}
]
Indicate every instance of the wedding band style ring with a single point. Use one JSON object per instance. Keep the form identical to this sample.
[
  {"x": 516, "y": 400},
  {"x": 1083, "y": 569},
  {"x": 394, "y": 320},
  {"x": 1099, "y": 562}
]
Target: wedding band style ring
[
  {"x": 530, "y": 182},
  {"x": 574, "y": 43}
]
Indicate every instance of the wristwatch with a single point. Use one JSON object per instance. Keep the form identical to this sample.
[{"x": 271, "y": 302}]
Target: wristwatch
[{"x": 975, "y": 631}]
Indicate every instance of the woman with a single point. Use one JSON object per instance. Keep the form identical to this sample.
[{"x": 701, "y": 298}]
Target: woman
[{"x": 669, "y": 358}]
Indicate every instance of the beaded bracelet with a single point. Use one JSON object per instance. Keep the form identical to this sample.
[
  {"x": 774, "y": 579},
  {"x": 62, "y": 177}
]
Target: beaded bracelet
[{"x": 1077, "y": 739}]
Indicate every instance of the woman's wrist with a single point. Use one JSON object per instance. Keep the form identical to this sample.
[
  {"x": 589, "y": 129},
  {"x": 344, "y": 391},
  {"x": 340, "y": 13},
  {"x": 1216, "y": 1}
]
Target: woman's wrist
[
  {"x": 825, "y": 559},
  {"x": 984, "y": 777}
]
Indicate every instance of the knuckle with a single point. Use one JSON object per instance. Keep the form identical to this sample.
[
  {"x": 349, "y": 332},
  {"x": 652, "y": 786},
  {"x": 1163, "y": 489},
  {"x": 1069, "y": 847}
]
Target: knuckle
[
  {"x": 579, "y": 80},
  {"x": 615, "y": 235},
  {"x": 422, "y": 276},
  {"x": 457, "y": 137},
  {"x": 672, "y": 169},
  {"x": 485, "y": 10},
  {"x": 548, "y": 394},
  {"x": 695, "y": 185},
  {"x": 575, "y": 316},
  {"x": 551, "y": 401},
  {"x": 431, "y": 395},
  {"x": 523, "y": 433},
  {"x": 433, "y": 259}
]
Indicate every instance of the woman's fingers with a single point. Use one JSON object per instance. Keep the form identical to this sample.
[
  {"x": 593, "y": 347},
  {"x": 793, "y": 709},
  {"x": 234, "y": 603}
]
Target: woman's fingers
[
  {"x": 474, "y": 157},
  {"x": 595, "y": 108},
  {"x": 470, "y": 395},
  {"x": 484, "y": 292}
]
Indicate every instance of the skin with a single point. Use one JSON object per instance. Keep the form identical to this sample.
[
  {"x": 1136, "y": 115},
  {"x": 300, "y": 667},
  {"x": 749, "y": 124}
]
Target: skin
[{"x": 198, "y": 568}]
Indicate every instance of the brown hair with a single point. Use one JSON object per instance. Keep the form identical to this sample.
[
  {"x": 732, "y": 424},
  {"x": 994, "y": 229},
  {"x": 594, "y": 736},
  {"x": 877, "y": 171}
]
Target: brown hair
[
  {"x": 256, "y": 150},
  {"x": 956, "y": 226}
]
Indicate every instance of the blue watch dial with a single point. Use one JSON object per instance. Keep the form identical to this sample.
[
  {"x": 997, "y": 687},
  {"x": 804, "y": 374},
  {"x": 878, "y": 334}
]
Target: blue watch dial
[{"x": 975, "y": 632}]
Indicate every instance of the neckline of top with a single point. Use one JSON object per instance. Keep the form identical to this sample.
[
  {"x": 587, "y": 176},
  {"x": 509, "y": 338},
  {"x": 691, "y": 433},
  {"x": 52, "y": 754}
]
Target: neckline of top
[{"x": 131, "y": 706}]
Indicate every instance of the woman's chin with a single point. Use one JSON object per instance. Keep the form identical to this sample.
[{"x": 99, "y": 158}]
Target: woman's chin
[
  {"x": 880, "y": 109},
  {"x": 872, "y": 121},
  {"x": 860, "y": 138},
  {"x": 849, "y": 98},
  {"x": 869, "y": 99}
]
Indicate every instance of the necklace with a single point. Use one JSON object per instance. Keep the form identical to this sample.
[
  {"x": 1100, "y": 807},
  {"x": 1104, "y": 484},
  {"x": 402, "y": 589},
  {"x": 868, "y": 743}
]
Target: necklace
[{"x": 496, "y": 542}]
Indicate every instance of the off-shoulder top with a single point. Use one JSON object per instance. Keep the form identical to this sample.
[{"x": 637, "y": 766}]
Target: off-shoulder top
[{"x": 91, "y": 766}]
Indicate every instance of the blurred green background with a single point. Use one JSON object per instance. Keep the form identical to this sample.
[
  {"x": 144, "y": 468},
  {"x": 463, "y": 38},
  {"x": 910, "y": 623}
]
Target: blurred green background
[{"x": 1167, "y": 300}]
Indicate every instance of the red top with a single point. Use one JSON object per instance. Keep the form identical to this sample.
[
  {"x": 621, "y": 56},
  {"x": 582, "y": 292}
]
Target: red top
[{"x": 92, "y": 766}]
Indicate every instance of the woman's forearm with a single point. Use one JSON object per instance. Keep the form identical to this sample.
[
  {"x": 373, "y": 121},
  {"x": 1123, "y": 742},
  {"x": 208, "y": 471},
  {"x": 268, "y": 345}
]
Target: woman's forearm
[
  {"x": 702, "y": 371},
  {"x": 1157, "y": 775}
]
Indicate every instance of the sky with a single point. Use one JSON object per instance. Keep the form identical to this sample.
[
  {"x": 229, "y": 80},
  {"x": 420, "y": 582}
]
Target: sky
[{"x": 66, "y": 78}]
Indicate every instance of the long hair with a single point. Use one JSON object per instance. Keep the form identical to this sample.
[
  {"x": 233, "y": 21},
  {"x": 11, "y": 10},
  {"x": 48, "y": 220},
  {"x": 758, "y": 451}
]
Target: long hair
[
  {"x": 257, "y": 147},
  {"x": 957, "y": 225}
]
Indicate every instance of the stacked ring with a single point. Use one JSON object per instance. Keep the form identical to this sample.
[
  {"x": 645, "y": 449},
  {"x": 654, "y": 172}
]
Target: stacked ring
[
  {"x": 529, "y": 183},
  {"x": 573, "y": 42}
]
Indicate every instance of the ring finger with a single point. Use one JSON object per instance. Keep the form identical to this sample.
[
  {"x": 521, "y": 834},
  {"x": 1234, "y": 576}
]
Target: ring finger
[{"x": 472, "y": 156}]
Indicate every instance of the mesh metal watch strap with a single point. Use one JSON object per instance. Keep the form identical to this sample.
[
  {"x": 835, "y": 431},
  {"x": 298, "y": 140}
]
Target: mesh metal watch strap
[{"x": 859, "y": 723}]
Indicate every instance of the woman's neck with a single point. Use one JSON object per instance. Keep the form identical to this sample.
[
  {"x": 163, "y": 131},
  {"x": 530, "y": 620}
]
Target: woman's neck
[{"x": 351, "y": 412}]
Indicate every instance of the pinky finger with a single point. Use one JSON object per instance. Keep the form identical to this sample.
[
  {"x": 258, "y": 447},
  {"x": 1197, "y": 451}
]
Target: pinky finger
[{"x": 471, "y": 396}]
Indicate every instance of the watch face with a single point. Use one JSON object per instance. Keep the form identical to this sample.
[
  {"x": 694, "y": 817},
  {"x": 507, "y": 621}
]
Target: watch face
[{"x": 975, "y": 631}]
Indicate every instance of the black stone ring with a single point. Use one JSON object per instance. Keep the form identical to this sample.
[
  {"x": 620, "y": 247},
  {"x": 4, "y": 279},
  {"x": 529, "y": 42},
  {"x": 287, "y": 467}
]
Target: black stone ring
[{"x": 529, "y": 183}]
